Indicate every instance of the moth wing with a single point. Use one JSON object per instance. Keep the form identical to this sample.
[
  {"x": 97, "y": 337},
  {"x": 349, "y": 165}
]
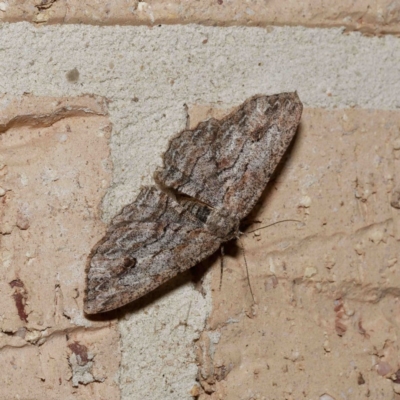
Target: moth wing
[
  {"x": 149, "y": 242},
  {"x": 227, "y": 163}
]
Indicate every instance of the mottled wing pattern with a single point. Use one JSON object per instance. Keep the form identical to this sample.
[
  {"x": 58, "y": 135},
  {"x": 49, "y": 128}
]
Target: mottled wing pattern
[
  {"x": 149, "y": 242},
  {"x": 217, "y": 172},
  {"x": 227, "y": 163}
]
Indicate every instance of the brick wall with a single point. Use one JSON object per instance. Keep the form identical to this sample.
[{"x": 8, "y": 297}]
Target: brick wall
[{"x": 91, "y": 92}]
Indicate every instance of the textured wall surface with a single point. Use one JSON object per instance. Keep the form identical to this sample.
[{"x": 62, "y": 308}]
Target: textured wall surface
[{"x": 85, "y": 113}]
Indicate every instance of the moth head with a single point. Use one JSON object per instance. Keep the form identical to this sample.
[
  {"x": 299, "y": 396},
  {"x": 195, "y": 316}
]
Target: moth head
[{"x": 223, "y": 225}]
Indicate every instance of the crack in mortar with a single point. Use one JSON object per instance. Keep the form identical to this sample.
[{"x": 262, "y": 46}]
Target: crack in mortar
[
  {"x": 48, "y": 119},
  {"x": 38, "y": 337}
]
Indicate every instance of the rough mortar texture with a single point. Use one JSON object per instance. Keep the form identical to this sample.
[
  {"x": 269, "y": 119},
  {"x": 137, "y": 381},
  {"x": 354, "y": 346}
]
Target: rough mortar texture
[
  {"x": 148, "y": 76},
  {"x": 158, "y": 332}
]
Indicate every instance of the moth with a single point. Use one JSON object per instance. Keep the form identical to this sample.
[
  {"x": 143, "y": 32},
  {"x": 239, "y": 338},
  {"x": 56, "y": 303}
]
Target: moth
[{"x": 211, "y": 178}]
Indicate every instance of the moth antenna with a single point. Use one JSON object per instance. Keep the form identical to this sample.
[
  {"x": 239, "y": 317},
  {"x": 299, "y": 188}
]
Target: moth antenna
[
  {"x": 222, "y": 265},
  {"x": 274, "y": 223},
  {"x": 247, "y": 269}
]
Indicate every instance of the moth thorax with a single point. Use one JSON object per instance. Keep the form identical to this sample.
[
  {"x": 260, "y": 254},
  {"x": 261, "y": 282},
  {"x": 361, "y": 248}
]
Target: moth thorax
[{"x": 223, "y": 225}]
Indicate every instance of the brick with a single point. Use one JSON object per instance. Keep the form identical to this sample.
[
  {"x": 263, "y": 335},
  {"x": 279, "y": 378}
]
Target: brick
[
  {"x": 370, "y": 17},
  {"x": 326, "y": 289},
  {"x": 36, "y": 372},
  {"x": 54, "y": 171}
]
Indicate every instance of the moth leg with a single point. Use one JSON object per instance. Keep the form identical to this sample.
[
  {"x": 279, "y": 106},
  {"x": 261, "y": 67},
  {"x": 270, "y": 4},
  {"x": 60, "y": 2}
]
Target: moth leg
[
  {"x": 247, "y": 269},
  {"x": 222, "y": 265}
]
